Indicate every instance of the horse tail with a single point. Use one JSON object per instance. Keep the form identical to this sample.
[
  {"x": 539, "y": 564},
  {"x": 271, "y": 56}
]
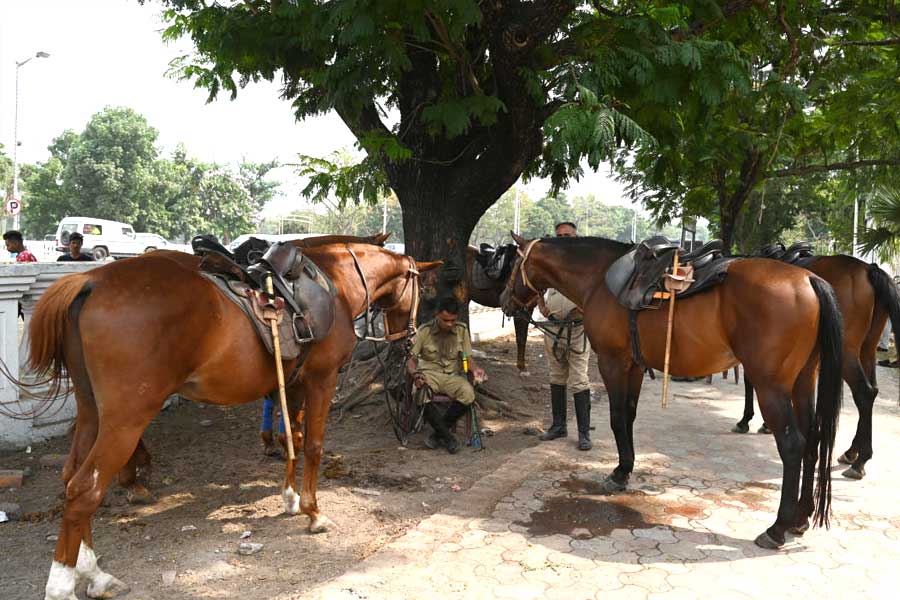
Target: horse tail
[
  {"x": 828, "y": 395},
  {"x": 55, "y": 313},
  {"x": 886, "y": 295}
]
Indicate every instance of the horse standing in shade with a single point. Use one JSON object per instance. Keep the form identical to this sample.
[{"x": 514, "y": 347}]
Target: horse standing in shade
[
  {"x": 133, "y": 332},
  {"x": 490, "y": 296},
  {"x": 780, "y": 321},
  {"x": 867, "y": 297}
]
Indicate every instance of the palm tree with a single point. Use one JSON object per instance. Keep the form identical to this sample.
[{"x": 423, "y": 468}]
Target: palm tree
[{"x": 884, "y": 235}]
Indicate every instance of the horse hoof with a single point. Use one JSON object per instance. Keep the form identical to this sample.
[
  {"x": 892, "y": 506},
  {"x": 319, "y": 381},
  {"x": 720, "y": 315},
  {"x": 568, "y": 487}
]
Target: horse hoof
[
  {"x": 854, "y": 473},
  {"x": 524, "y": 373},
  {"x": 799, "y": 530},
  {"x": 848, "y": 457},
  {"x": 138, "y": 494},
  {"x": 764, "y": 540},
  {"x": 764, "y": 429},
  {"x": 740, "y": 428},
  {"x": 611, "y": 486},
  {"x": 291, "y": 501},
  {"x": 320, "y": 524},
  {"x": 106, "y": 587}
]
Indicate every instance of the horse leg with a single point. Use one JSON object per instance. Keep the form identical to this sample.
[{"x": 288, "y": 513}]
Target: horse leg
[
  {"x": 804, "y": 409},
  {"x": 776, "y": 408},
  {"x": 74, "y": 557},
  {"x": 621, "y": 419},
  {"x": 521, "y": 325},
  {"x": 317, "y": 392},
  {"x": 743, "y": 426},
  {"x": 135, "y": 476},
  {"x": 288, "y": 491},
  {"x": 860, "y": 450}
]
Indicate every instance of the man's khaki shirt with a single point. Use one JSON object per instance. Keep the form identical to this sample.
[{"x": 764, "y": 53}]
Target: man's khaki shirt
[{"x": 438, "y": 352}]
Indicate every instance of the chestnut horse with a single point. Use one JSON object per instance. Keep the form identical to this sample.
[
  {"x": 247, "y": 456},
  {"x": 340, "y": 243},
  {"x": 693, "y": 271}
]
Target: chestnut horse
[
  {"x": 491, "y": 297},
  {"x": 780, "y": 321},
  {"x": 867, "y": 297},
  {"x": 133, "y": 332}
]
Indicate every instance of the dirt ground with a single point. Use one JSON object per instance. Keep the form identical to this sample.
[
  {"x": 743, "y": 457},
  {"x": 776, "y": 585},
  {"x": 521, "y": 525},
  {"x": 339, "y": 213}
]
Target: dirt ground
[{"x": 213, "y": 484}]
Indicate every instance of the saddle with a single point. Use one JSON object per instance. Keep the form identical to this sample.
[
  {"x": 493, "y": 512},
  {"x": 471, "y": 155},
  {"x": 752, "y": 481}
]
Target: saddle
[
  {"x": 492, "y": 265},
  {"x": 303, "y": 303},
  {"x": 798, "y": 253},
  {"x": 643, "y": 277}
]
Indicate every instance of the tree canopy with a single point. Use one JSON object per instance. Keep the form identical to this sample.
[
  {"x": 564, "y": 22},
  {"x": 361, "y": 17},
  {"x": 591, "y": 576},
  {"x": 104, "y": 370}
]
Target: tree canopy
[
  {"x": 818, "y": 122},
  {"x": 453, "y": 100}
]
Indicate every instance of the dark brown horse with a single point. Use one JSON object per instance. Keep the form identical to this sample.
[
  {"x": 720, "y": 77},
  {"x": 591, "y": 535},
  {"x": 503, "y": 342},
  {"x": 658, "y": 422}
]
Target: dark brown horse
[
  {"x": 867, "y": 298},
  {"x": 780, "y": 321},
  {"x": 491, "y": 297},
  {"x": 133, "y": 332}
]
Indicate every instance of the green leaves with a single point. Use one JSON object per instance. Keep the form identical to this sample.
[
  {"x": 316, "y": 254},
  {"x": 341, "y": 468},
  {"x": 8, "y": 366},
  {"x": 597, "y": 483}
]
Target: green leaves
[
  {"x": 884, "y": 238},
  {"x": 454, "y": 117}
]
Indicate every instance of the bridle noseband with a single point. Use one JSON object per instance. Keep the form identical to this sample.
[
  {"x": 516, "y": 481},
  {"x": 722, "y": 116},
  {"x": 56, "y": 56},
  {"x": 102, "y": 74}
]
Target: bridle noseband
[
  {"x": 412, "y": 275},
  {"x": 519, "y": 268}
]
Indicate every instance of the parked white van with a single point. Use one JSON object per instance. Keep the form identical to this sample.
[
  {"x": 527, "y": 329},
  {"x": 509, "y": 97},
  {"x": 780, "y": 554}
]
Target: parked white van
[{"x": 102, "y": 238}]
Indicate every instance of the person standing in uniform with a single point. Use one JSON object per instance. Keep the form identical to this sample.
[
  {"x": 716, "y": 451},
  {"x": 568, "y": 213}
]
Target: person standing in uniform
[
  {"x": 76, "y": 241},
  {"x": 567, "y": 360},
  {"x": 436, "y": 361}
]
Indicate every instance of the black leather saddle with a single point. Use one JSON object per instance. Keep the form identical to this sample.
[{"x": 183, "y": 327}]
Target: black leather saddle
[
  {"x": 636, "y": 278},
  {"x": 797, "y": 253},
  {"x": 492, "y": 265},
  {"x": 302, "y": 291}
]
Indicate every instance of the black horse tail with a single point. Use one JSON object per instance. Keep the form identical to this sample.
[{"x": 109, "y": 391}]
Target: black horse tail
[
  {"x": 828, "y": 395},
  {"x": 886, "y": 295}
]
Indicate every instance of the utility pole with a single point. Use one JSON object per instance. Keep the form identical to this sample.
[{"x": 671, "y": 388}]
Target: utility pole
[
  {"x": 384, "y": 216},
  {"x": 19, "y": 65},
  {"x": 516, "y": 218}
]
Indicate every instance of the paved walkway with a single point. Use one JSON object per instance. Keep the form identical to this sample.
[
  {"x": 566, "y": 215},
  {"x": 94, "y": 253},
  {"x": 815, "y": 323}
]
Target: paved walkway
[{"x": 699, "y": 496}]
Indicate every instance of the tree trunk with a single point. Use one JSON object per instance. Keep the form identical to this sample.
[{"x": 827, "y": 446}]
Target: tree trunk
[{"x": 437, "y": 225}]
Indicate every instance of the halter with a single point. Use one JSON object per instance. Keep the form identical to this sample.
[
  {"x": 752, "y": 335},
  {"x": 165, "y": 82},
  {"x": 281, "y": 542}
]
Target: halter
[
  {"x": 520, "y": 268},
  {"x": 412, "y": 275}
]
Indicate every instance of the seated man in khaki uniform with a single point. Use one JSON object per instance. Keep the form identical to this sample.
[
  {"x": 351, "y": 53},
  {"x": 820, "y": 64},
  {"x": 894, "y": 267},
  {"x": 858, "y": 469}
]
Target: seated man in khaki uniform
[{"x": 436, "y": 361}]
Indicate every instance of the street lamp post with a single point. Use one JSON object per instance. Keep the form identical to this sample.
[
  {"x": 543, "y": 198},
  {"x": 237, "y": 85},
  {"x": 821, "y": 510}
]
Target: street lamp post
[{"x": 15, "y": 192}]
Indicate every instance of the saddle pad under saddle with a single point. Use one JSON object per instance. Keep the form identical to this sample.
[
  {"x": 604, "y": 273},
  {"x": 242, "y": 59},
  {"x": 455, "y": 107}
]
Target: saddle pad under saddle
[{"x": 247, "y": 299}]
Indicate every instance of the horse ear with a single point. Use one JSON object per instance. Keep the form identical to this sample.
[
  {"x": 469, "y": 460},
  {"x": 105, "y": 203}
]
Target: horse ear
[
  {"x": 428, "y": 266},
  {"x": 380, "y": 238},
  {"x": 522, "y": 242}
]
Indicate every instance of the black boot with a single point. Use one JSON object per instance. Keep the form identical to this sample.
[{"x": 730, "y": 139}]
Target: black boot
[
  {"x": 454, "y": 412},
  {"x": 583, "y": 418},
  {"x": 558, "y": 404},
  {"x": 438, "y": 437}
]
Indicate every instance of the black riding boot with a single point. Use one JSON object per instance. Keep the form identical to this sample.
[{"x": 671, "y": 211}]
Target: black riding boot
[
  {"x": 439, "y": 436},
  {"x": 583, "y": 418},
  {"x": 558, "y": 404},
  {"x": 454, "y": 412}
]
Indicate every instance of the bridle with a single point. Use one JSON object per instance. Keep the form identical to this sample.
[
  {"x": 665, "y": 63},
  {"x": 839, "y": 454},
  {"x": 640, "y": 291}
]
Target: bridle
[
  {"x": 412, "y": 276},
  {"x": 519, "y": 268}
]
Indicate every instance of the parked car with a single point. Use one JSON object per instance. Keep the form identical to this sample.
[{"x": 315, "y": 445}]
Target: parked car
[
  {"x": 397, "y": 247},
  {"x": 102, "y": 238},
  {"x": 154, "y": 241}
]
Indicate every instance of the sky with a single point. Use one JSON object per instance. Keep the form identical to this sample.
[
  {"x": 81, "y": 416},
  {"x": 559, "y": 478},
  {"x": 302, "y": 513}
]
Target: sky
[{"x": 110, "y": 53}]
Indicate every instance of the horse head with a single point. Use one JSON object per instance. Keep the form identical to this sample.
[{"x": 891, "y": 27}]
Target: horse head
[
  {"x": 520, "y": 294},
  {"x": 398, "y": 292}
]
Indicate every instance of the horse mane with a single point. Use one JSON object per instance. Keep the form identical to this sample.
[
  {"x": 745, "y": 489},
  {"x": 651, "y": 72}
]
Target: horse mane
[
  {"x": 599, "y": 243},
  {"x": 321, "y": 240}
]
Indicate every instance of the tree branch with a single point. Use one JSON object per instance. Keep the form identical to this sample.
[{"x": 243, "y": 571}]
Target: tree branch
[
  {"x": 888, "y": 42},
  {"x": 838, "y": 166}
]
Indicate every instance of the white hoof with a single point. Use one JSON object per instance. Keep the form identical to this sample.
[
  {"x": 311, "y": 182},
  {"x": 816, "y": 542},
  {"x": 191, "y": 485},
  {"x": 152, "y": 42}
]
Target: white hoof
[
  {"x": 100, "y": 583},
  {"x": 320, "y": 524},
  {"x": 60, "y": 583},
  {"x": 105, "y": 586},
  {"x": 291, "y": 501},
  {"x": 524, "y": 374}
]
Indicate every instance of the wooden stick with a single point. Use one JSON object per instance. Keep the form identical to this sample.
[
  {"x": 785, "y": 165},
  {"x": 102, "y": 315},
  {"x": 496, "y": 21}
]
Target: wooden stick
[
  {"x": 279, "y": 370},
  {"x": 665, "y": 394}
]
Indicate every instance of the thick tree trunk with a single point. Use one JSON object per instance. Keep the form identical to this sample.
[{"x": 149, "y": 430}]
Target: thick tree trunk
[{"x": 437, "y": 225}]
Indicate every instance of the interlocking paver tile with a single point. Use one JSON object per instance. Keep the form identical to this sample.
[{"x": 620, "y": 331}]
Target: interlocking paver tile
[{"x": 697, "y": 499}]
